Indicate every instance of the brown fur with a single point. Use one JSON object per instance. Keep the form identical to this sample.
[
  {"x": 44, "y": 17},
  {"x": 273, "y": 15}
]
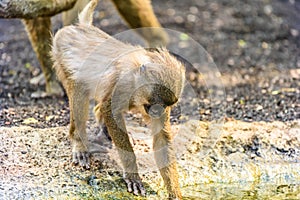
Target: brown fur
[
  {"x": 91, "y": 64},
  {"x": 39, "y": 31}
]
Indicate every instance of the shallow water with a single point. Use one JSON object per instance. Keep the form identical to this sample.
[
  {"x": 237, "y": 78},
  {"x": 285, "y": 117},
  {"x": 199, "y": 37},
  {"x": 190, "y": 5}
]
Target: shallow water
[{"x": 249, "y": 191}]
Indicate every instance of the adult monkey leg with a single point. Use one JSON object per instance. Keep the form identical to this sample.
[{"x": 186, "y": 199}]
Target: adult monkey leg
[
  {"x": 117, "y": 130},
  {"x": 139, "y": 14},
  {"x": 164, "y": 154},
  {"x": 39, "y": 32}
]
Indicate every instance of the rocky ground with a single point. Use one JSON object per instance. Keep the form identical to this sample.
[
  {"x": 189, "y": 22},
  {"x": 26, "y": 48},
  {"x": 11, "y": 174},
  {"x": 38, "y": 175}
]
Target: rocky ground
[{"x": 247, "y": 104}]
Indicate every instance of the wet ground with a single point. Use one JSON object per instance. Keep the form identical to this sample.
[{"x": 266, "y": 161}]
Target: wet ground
[{"x": 254, "y": 92}]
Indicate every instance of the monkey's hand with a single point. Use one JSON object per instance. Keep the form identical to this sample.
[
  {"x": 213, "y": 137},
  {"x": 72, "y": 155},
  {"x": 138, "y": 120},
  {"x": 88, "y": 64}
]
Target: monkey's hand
[
  {"x": 82, "y": 158},
  {"x": 134, "y": 184}
]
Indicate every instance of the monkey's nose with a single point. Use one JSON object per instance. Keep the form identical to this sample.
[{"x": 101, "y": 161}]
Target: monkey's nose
[{"x": 156, "y": 110}]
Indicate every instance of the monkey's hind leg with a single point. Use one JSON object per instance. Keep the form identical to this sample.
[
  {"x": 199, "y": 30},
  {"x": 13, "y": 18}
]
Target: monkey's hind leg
[
  {"x": 79, "y": 105},
  {"x": 102, "y": 138}
]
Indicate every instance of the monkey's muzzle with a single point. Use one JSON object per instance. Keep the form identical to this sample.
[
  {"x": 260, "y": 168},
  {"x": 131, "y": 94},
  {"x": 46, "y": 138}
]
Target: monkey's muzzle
[{"x": 155, "y": 111}]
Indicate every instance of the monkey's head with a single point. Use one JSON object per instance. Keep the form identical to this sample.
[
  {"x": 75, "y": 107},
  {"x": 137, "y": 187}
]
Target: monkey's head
[{"x": 159, "y": 83}]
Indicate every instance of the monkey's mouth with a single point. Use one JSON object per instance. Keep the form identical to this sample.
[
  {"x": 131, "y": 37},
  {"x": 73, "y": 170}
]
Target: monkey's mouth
[{"x": 155, "y": 111}]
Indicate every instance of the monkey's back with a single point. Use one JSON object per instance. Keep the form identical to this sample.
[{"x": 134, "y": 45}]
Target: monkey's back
[{"x": 84, "y": 53}]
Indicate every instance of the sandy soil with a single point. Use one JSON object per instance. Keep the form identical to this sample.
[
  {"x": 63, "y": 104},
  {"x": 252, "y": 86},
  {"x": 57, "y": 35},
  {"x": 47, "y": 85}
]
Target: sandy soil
[{"x": 35, "y": 163}]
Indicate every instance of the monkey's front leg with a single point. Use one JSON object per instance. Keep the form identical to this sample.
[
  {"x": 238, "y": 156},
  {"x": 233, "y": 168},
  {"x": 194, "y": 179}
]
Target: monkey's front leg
[
  {"x": 117, "y": 130},
  {"x": 164, "y": 154}
]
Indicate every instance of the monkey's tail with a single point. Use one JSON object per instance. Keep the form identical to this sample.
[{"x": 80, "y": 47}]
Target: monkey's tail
[{"x": 86, "y": 15}]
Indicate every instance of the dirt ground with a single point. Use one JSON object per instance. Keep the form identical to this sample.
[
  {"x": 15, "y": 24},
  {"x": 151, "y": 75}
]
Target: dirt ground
[{"x": 239, "y": 117}]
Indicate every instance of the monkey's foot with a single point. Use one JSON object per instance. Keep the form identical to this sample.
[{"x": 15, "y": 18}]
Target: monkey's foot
[
  {"x": 38, "y": 94},
  {"x": 102, "y": 137},
  {"x": 134, "y": 184},
  {"x": 82, "y": 158},
  {"x": 53, "y": 87},
  {"x": 38, "y": 80}
]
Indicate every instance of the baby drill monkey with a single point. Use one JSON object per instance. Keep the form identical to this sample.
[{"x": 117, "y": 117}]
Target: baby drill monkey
[{"x": 120, "y": 77}]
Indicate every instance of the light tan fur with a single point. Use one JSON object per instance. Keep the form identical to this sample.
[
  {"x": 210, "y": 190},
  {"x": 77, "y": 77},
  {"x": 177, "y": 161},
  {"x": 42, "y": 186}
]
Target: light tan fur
[
  {"x": 91, "y": 64},
  {"x": 137, "y": 13}
]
